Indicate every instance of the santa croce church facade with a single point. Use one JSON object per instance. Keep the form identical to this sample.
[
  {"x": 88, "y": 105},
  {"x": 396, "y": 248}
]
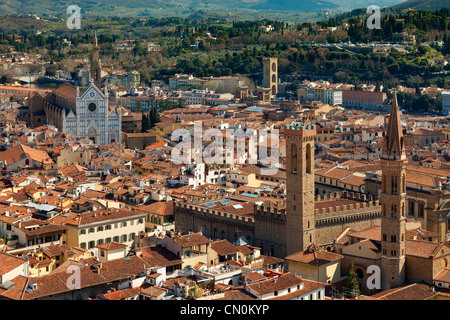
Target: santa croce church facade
[{"x": 82, "y": 113}]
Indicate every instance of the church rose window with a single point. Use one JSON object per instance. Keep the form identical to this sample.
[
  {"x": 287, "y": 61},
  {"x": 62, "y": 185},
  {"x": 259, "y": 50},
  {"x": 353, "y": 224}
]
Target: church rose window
[{"x": 92, "y": 107}]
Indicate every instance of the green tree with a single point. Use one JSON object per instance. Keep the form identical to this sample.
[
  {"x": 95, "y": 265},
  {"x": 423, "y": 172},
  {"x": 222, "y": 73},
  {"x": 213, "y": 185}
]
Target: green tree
[{"x": 352, "y": 282}]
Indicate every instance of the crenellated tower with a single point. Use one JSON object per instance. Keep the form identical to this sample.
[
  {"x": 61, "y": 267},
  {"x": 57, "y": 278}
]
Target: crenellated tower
[
  {"x": 300, "y": 216},
  {"x": 393, "y": 203}
]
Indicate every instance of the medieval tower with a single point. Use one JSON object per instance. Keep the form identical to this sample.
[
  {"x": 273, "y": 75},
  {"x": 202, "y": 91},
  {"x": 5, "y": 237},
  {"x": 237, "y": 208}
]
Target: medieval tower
[
  {"x": 96, "y": 67},
  {"x": 270, "y": 74},
  {"x": 300, "y": 216},
  {"x": 393, "y": 200}
]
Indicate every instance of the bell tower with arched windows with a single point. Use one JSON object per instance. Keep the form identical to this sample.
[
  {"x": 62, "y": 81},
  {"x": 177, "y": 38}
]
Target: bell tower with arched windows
[
  {"x": 96, "y": 66},
  {"x": 300, "y": 217},
  {"x": 393, "y": 203}
]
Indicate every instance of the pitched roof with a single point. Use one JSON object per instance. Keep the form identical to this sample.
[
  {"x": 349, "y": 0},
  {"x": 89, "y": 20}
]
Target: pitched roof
[
  {"x": 157, "y": 256},
  {"x": 423, "y": 249},
  {"x": 281, "y": 282},
  {"x": 224, "y": 247},
  {"x": 415, "y": 291},
  {"x": 443, "y": 276},
  {"x": 66, "y": 90},
  {"x": 21, "y": 151},
  {"x": 193, "y": 239},
  {"x": 9, "y": 263},
  {"x": 111, "y": 245},
  {"x": 314, "y": 255}
]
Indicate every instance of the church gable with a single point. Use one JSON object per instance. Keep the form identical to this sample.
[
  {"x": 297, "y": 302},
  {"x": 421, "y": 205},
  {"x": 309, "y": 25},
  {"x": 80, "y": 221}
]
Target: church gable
[
  {"x": 70, "y": 115},
  {"x": 92, "y": 92},
  {"x": 442, "y": 251},
  {"x": 113, "y": 114}
]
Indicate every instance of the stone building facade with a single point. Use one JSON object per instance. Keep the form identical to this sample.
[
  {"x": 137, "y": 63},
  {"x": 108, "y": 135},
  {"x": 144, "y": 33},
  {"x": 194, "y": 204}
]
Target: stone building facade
[
  {"x": 84, "y": 113},
  {"x": 282, "y": 226}
]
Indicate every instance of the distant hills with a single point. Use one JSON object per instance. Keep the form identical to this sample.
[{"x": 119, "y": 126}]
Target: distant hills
[
  {"x": 423, "y": 5},
  {"x": 184, "y": 8}
]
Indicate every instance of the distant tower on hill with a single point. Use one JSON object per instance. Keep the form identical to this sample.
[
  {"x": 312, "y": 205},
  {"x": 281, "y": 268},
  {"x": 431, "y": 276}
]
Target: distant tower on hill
[{"x": 270, "y": 74}]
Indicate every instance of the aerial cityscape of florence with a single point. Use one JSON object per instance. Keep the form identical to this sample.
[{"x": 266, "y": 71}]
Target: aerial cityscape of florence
[{"x": 225, "y": 155}]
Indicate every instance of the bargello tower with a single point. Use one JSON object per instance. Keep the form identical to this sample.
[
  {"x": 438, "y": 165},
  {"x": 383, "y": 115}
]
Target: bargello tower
[
  {"x": 300, "y": 217},
  {"x": 393, "y": 200}
]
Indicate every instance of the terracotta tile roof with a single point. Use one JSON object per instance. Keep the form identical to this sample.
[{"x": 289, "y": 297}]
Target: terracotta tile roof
[
  {"x": 354, "y": 180},
  {"x": 423, "y": 249},
  {"x": 443, "y": 276},
  {"x": 120, "y": 294},
  {"x": 415, "y": 291},
  {"x": 245, "y": 249},
  {"x": 424, "y": 179},
  {"x": 224, "y": 247},
  {"x": 21, "y": 151},
  {"x": 9, "y": 263},
  {"x": 67, "y": 90},
  {"x": 314, "y": 255},
  {"x": 101, "y": 215},
  {"x": 152, "y": 291},
  {"x": 111, "y": 246},
  {"x": 161, "y": 208},
  {"x": 157, "y": 256},
  {"x": 270, "y": 260},
  {"x": 281, "y": 282},
  {"x": 90, "y": 275},
  {"x": 308, "y": 286},
  {"x": 238, "y": 294},
  {"x": 372, "y": 233},
  {"x": 193, "y": 239},
  {"x": 255, "y": 276}
]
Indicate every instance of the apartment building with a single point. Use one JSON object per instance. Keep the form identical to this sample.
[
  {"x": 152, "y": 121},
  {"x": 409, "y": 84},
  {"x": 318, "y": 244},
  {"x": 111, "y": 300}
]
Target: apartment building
[{"x": 90, "y": 229}]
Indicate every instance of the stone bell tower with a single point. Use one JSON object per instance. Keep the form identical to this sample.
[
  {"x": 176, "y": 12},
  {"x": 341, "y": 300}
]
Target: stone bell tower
[
  {"x": 393, "y": 203},
  {"x": 96, "y": 66},
  {"x": 300, "y": 217}
]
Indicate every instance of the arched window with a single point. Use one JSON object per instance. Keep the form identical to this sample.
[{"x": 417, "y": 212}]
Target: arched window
[
  {"x": 215, "y": 234},
  {"x": 223, "y": 234},
  {"x": 308, "y": 158},
  {"x": 393, "y": 210},
  {"x": 294, "y": 159},
  {"x": 394, "y": 185}
]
